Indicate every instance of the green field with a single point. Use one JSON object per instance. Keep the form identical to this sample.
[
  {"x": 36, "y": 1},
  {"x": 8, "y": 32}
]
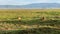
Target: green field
[{"x": 31, "y": 21}]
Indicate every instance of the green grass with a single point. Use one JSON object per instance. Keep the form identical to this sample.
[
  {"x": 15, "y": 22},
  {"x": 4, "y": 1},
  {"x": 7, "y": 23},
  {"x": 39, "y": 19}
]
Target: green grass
[
  {"x": 9, "y": 21},
  {"x": 33, "y": 31},
  {"x": 28, "y": 13}
]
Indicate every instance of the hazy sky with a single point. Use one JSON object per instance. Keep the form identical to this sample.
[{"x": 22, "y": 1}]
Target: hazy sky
[{"x": 23, "y": 2}]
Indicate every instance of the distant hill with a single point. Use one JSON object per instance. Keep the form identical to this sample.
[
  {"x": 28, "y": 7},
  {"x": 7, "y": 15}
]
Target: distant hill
[{"x": 34, "y": 5}]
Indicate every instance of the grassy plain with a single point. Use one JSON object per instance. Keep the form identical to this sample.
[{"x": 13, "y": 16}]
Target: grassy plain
[{"x": 31, "y": 21}]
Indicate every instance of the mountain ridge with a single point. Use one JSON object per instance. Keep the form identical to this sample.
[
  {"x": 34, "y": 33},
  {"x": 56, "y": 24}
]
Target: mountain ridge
[{"x": 34, "y": 5}]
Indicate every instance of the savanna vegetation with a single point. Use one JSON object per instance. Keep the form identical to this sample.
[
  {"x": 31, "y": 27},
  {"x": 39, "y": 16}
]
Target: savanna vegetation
[{"x": 29, "y": 21}]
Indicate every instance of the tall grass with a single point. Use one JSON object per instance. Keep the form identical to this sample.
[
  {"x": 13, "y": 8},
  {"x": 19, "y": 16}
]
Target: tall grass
[{"x": 9, "y": 20}]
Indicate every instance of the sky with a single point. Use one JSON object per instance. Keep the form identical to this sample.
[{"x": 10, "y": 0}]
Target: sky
[{"x": 24, "y": 2}]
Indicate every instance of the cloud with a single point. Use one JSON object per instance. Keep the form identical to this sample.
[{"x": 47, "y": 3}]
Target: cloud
[
  {"x": 47, "y": 1},
  {"x": 3, "y": 2},
  {"x": 23, "y": 2},
  {"x": 18, "y": 2}
]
